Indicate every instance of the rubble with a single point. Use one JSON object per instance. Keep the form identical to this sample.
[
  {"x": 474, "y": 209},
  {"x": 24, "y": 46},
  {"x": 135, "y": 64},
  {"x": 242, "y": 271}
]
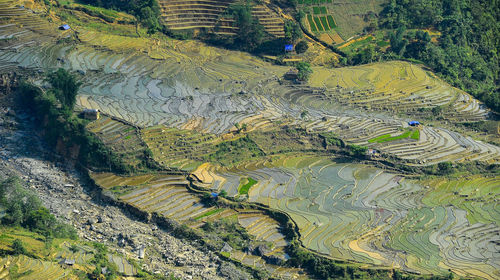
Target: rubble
[{"x": 60, "y": 188}]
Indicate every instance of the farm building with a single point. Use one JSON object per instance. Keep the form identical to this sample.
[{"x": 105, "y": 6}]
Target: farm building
[
  {"x": 292, "y": 74},
  {"x": 91, "y": 114},
  {"x": 64, "y": 27},
  {"x": 413, "y": 123},
  {"x": 68, "y": 262},
  {"x": 372, "y": 153}
]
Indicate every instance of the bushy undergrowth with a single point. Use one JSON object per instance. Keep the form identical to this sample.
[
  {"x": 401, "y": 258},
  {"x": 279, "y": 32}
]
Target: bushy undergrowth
[
  {"x": 231, "y": 152},
  {"x": 60, "y": 125},
  {"x": 23, "y": 208}
]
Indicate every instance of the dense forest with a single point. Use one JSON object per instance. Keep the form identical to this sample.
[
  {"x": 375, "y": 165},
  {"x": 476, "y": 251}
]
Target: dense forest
[{"x": 467, "y": 52}]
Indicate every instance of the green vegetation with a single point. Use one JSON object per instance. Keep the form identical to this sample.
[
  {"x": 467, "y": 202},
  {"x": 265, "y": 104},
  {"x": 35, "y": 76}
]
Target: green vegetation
[
  {"x": 209, "y": 213},
  {"x": 311, "y": 23},
  {"x": 230, "y": 231},
  {"x": 65, "y": 88},
  {"x": 292, "y": 31},
  {"x": 243, "y": 189},
  {"x": 331, "y": 22},
  {"x": 317, "y": 21},
  {"x": 55, "y": 107},
  {"x": 23, "y": 208},
  {"x": 301, "y": 47},
  {"x": 324, "y": 23},
  {"x": 100, "y": 261},
  {"x": 305, "y": 71},
  {"x": 18, "y": 248},
  {"x": 234, "y": 151},
  {"x": 466, "y": 54},
  {"x": 415, "y": 134},
  {"x": 146, "y": 11}
]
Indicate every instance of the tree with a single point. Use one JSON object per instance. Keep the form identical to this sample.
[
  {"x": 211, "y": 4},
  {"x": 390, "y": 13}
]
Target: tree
[
  {"x": 305, "y": 70},
  {"x": 301, "y": 47},
  {"x": 398, "y": 42},
  {"x": 18, "y": 247},
  {"x": 250, "y": 32},
  {"x": 292, "y": 31},
  {"x": 65, "y": 87}
]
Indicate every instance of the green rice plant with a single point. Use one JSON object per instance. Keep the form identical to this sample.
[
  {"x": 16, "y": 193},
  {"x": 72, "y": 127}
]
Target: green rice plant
[
  {"x": 381, "y": 137},
  {"x": 316, "y": 10},
  {"x": 324, "y": 22},
  {"x": 311, "y": 23},
  {"x": 331, "y": 22},
  {"x": 387, "y": 137},
  {"x": 246, "y": 187},
  {"x": 323, "y": 10},
  {"x": 318, "y": 24},
  {"x": 209, "y": 213},
  {"x": 415, "y": 135}
]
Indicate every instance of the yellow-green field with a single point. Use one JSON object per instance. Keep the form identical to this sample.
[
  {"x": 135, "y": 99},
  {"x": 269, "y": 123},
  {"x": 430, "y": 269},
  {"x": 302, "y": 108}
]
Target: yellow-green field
[{"x": 187, "y": 103}]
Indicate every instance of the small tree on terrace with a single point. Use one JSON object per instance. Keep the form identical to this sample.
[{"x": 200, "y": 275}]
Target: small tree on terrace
[
  {"x": 301, "y": 47},
  {"x": 305, "y": 70},
  {"x": 65, "y": 88}
]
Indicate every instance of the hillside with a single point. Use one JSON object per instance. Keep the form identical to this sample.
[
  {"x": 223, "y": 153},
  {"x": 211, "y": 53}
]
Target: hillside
[{"x": 369, "y": 171}]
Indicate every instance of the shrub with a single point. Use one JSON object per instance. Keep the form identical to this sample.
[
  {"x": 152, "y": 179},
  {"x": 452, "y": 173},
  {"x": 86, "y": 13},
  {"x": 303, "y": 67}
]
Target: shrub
[
  {"x": 18, "y": 248},
  {"x": 305, "y": 70},
  {"x": 301, "y": 47}
]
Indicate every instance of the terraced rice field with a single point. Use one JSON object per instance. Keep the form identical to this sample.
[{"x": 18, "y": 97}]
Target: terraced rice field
[
  {"x": 345, "y": 18},
  {"x": 210, "y": 14},
  {"x": 122, "y": 138},
  {"x": 184, "y": 97},
  {"x": 357, "y": 212},
  {"x": 39, "y": 269},
  {"x": 187, "y": 85},
  {"x": 168, "y": 196}
]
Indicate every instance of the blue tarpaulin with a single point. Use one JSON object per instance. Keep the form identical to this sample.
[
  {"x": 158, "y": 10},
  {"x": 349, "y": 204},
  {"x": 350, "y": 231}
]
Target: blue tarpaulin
[
  {"x": 64, "y": 27},
  {"x": 413, "y": 123},
  {"x": 214, "y": 194},
  {"x": 288, "y": 48}
]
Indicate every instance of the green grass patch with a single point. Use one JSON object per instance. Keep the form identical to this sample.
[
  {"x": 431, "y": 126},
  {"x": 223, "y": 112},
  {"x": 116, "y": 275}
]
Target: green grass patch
[
  {"x": 324, "y": 22},
  {"x": 246, "y": 187},
  {"x": 311, "y": 23},
  {"x": 415, "y": 135},
  {"x": 226, "y": 254},
  {"x": 377, "y": 139},
  {"x": 387, "y": 137},
  {"x": 331, "y": 22},
  {"x": 318, "y": 23},
  {"x": 209, "y": 213}
]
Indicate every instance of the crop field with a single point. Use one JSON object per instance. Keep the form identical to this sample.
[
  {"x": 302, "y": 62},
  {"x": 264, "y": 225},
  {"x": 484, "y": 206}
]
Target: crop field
[
  {"x": 45, "y": 262},
  {"x": 195, "y": 14},
  {"x": 347, "y": 17},
  {"x": 182, "y": 149},
  {"x": 167, "y": 195},
  {"x": 187, "y": 102},
  {"x": 122, "y": 138},
  {"x": 357, "y": 212},
  {"x": 31, "y": 269}
]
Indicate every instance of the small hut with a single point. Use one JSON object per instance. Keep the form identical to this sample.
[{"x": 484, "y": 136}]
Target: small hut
[
  {"x": 91, "y": 114},
  {"x": 292, "y": 74},
  {"x": 68, "y": 262},
  {"x": 413, "y": 123},
  {"x": 64, "y": 27}
]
